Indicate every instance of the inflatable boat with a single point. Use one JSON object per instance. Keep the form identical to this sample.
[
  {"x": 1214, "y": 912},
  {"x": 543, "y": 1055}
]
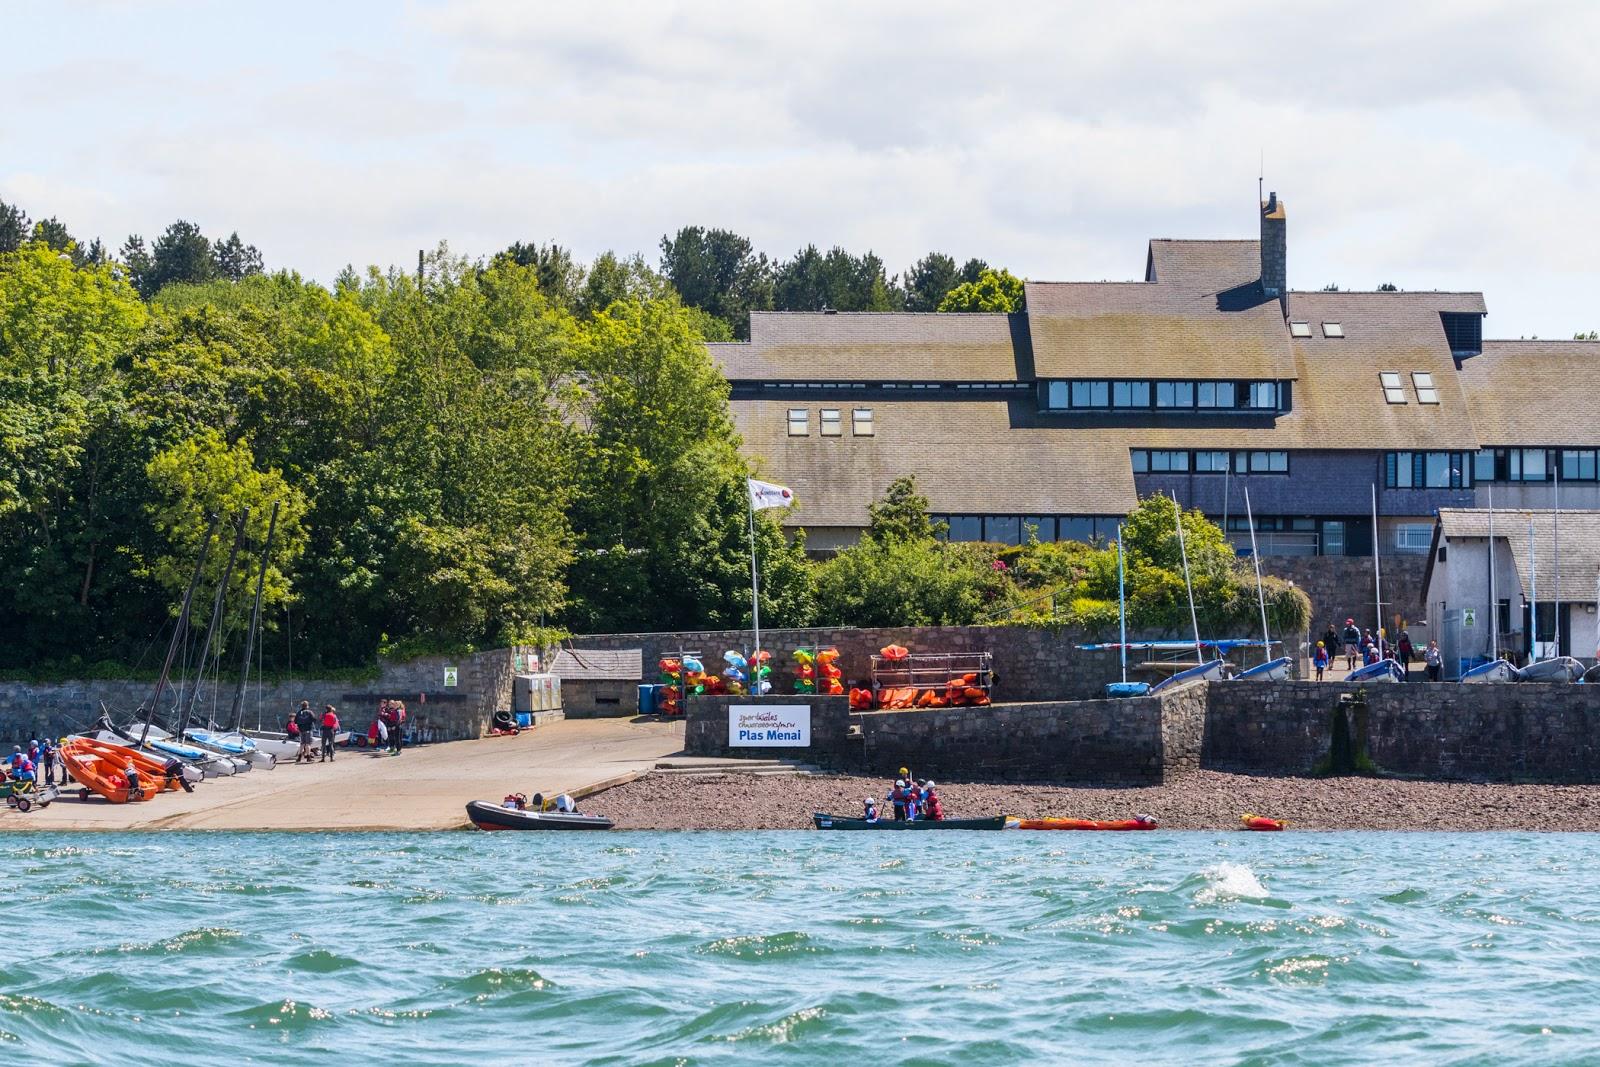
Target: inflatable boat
[{"x": 488, "y": 816}]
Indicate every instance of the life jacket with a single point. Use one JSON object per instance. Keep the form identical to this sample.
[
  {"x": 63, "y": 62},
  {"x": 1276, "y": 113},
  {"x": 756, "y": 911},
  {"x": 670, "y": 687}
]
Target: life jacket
[
  {"x": 934, "y": 807},
  {"x": 330, "y": 721}
]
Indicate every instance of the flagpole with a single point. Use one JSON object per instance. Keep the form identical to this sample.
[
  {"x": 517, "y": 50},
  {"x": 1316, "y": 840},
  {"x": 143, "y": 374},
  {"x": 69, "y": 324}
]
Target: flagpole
[{"x": 755, "y": 598}]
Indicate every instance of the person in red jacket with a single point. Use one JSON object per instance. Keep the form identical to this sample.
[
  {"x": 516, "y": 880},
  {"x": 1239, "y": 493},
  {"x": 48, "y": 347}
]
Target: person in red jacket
[
  {"x": 932, "y": 806},
  {"x": 330, "y": 727}
]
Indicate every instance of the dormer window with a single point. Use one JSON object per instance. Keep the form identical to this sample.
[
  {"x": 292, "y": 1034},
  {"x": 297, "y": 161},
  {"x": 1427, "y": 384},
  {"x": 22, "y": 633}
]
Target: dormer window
[
  {"x": 1423, "y": 383},
  {"x": 1299, "y": 329},
  {"x": 1332, "y": 329},
  {"x": 1393, "y": 391}
]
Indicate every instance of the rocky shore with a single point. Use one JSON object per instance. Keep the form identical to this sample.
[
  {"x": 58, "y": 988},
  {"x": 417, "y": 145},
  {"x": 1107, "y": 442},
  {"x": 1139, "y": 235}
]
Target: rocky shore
[{"x": 1204, "y": 800}]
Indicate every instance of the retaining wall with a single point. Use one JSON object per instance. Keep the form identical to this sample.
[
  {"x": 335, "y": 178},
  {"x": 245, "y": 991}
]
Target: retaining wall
[{"x": 435, "y": 711}]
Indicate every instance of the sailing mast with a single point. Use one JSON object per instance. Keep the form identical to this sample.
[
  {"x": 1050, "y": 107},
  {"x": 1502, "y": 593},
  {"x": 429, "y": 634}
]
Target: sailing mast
[
  {"x": 1122, "y": 605},
  {"x": 1533, "y": 597},
  {"x": 1377, "y": 578},
  {"x": 1261, "y": 598},
  {"x": 211, "y": 626},
  {"x": 178, "y": 628},
  {"x": 1556, "y": 551},
  {"x": 1194, "y": 620},
  {"x": 1494, "y": 605},
  {"x": 236, "y": 713}
]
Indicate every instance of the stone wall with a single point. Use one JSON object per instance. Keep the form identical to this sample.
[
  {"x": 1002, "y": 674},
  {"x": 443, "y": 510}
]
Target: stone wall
[
  {"x": 1547, "y": 733},
  {"x": 436, "y": 712},
  {"x": 1145, "y": 739},
  {"x": 1340, "y": 587},
  {"x": 1030, "y": 663}
]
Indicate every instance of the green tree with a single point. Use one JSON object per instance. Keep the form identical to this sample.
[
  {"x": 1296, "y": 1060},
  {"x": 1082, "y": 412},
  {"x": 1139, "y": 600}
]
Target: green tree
[
  {"x": 560, "y": 276},
  {"x": 911, "y": 583},
  {"x": 839, "y": 281},
  {"x": 928, "y": 280},
  {"x": 611, "y": 278},
  {"x": 993, "y": 291},
  {"x": 52, "y": 233},
  {"x": 718, "y": 272},
  {"x": 902, "y": 514},
  {"x": 236, "y": 260},
  {"x": 14, "y": 227}
]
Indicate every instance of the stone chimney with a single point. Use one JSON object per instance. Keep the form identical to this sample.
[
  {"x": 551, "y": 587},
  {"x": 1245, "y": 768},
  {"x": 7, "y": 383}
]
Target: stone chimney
[{"x": 1274, "y": 248}]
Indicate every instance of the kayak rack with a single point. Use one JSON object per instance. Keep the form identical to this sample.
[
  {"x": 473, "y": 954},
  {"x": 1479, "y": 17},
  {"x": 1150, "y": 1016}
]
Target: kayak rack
[{"x": 932, "y": 671}]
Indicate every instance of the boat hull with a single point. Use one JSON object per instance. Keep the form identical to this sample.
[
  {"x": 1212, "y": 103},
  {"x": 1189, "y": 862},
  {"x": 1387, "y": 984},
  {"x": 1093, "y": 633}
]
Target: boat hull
[
  {"x": 1385, "y": 670},
  {"x": 1274, "y": 670},
  {"x": 832, "y": 822},
  {"x": 1495, "y": 672},
  {"x": 1562, "y": 669},
  {"x": 1206, "y": 672},
  {"x": 487, "y": 816},
  {"x": 1086, "y": 824}
]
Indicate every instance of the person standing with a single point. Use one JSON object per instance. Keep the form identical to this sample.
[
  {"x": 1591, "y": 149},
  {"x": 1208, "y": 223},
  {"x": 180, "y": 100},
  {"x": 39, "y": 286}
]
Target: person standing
[
  {"x": 1407, "y": 649},
  {"x": 1319, "y": 658},
  {"x": 1330, "y": 640},
  {"x": 1352, "y": 643},
  {"x": 47, "y": 760},
  {"x": 1433, "y": 660},
  {"x": 397, "y": 729},
  {"x": 330, "y": 727},
  {"x": 304, "y": 722}
]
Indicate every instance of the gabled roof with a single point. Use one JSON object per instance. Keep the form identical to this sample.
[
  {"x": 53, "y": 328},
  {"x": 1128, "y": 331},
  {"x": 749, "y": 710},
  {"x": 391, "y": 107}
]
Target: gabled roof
[
  {"x": 599, "y": 665},
  {"x": 1534, "y": 392},
  {"x": 1580, "y": 546},
  {"x": 1144, "y": 329},
  {"x": 879, "y": 346},
  {"x": 1338, "y": 399},
  {"x": 1213, "y": 265},
  {"x": 972, "y": 457}
]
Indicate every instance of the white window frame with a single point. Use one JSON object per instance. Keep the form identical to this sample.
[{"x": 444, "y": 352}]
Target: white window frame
[
  {"x": 800, "y": 417},
  {"x": 1413, "y": 537},
  {"x": 1422, "y": 382},
  {"x": 830, "y": 422},
  {"x": 1393, "y": 391},
  {"x": 1299, "y": 329},
  {"x": 1333, "y": 329},
  {"x": 861, "y": 423}
]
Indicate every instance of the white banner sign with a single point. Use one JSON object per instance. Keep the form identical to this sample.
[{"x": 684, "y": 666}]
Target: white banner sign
[{"x": 769, "y": 725}]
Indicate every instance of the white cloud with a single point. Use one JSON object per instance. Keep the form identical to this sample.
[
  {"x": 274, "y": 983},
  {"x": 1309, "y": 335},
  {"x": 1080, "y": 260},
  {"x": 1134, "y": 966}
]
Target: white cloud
[{"x": 1432, "y": 145}]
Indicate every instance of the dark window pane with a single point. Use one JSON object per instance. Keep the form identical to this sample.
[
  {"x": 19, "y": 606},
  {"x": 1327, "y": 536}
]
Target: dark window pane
[
  {"x": 966, "y": 528},
  {"x": 1437, "y": 470},
  {"x": 1005, "y": 529},
  {"x": 1225, "y": 395},
  {"x": 1483, "y": 465},
  {"x": 1080, "y": 394},
  {"x": 1075, "y": 529},
  {"x": 1278, "y": 462},
  {"x": 1141, "y": 461},
  {"x": 1058, "y": 395},
  {"x": 1166, "y": 394},
  {"x": 1099, "y": 394},
  {"x": 1141, "y": 394},
  {"x": 1044, "y": 526}
]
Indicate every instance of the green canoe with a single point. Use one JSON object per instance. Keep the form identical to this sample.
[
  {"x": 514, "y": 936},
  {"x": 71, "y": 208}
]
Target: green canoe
[{"x": 836, "y": 822}]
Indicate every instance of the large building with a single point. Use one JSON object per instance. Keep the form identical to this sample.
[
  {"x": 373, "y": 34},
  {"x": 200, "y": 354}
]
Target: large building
[{"x": 1207, "y": 377}]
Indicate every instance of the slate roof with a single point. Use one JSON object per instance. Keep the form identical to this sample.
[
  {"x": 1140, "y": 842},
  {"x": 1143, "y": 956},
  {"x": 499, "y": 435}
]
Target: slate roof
[
  {"x": 878, "y": 346},
  {"x": 1580, "y": 546},
  {"x": 973, "y": 457},
  {"x": 1144, "y": 329},
  {"x": 1534, "y": 393},
  {"x": 1213, "y": 265},
  {"x": 599, "y": 665},
  {"x": 1338, "y": 399}
]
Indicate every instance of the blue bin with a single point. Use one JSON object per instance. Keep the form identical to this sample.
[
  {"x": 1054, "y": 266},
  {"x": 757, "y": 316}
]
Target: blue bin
[
  {"x": 524, "y": 719},
  {"x": 647, "y": 699}
]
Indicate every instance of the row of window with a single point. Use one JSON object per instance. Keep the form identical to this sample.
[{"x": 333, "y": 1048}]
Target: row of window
[
  {"x": 830, "y": 422},
  {"x": 1421, "y": 381},
  {"x": 981, "y": 387},
  {"x": 1427, "y": 470},
  {"x": 1013, "y": 529},
  {"x": 1303, "y": 329},
  {"x": 1208, "y": 461},
  {"x": 1536, "y": 464},
  {"x": 1091, "y": 395}
]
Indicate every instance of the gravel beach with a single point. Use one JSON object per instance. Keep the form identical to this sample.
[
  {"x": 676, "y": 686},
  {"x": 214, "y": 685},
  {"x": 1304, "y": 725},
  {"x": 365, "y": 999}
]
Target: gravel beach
[{"x": 1204, "y": 800}]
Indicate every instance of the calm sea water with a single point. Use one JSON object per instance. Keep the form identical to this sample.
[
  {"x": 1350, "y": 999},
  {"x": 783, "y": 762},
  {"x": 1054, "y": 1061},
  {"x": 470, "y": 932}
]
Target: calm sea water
[{"x": 802, "y": 948}]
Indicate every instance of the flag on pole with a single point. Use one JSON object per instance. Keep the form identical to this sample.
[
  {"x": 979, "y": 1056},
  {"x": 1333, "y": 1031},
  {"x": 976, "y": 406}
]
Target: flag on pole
[{"x": 767, "y": 495}]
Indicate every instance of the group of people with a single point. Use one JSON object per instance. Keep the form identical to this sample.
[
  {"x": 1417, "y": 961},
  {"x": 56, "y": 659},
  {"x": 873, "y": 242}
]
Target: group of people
[
  {"x": 40, "y": 758},
  {"x": 306, "y": 727},
  {"x": 909, "y": 800},
  {"x": 389, "y": 728},
  {"x": 1370, "y": 648},
  {"x": 521, "y": 802}
]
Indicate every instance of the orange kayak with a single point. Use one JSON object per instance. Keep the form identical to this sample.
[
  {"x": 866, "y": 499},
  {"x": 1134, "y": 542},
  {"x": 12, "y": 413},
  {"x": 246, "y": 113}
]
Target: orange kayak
[
  {"x": 99, "y": 767},
  {"x": 1261, "y": 822},
  {"x": 1141, "y": 823}
]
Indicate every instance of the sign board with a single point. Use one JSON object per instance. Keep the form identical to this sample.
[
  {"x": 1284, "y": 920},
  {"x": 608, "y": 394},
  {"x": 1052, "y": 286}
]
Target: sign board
[
  {"x": 1469, "y": 617},
  {"x": 769, "y": 725},
  {"x": 449, "y": 677}
]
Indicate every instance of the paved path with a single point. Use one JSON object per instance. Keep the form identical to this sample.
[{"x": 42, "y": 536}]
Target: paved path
[{"x": 424, "y": 788}]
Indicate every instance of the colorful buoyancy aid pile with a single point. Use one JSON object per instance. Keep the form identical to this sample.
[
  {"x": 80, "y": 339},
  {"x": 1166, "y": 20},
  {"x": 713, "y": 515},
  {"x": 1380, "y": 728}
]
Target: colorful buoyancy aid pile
[
  {"x": 962, "y": 690},
  {"x": 818, "y": 672}
]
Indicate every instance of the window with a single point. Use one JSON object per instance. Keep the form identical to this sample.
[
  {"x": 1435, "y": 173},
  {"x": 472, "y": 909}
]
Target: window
[
  {"x": 1056, "y": 395},
  {"x": 1427, "y": 470},
  {"x": 1260, "y": 462},
  {"x": 1578, "y": 466},
  {"x": 1076, "y": 530},
  {"x": 1043, "y": 526},
  {"x": 1216, "y": 394},
  {"x": 1332, "y": 329},
  {"x": 1423, "y": 383},
  {"x": 1398, "y": 471},
  {"x": 1141, "y": 461},
  {"x": 1211, "y": 462},
  {"x": 1162, "y": 462},
  {"x": 1413, "y": 537},
  {"x": 1436, "y": 470},
  {"x": 1527, "y": 465},
  {"x": 1003, "y": 529},
  {"x": 1090, "y": 394},
  {"x": 965, "y": 528},
  {"x": 1264, "y": 395},
  {"x": 830, "y": 423},
  {"x": 1333, "y": 538},
  {"x": 799, "y": 422},
  {"x": 1299, "y": 329},
  {"x": 1175, "y": 394},
  {"x": 1130, "y": 394},
  {"x": 1464, "y": 331},
  {"x": 861, "y": 422},
  {"x": 1483, "y": 465},
  {"x": 1392, "y": 390}
]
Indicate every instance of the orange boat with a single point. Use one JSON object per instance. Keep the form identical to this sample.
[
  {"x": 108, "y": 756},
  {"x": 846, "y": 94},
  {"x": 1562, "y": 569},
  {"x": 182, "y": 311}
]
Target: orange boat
[
  {"x": 98, "y": 766},
  {"x": 1261, "y": 822},
  {"x": 1138, "y": 822}
]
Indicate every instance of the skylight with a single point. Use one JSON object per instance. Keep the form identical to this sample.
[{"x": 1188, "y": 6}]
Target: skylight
[
  {"x": 1299, "y": 329},
  {"x": 1426, "y": 393},
  {"x": 1393, "y": 391},
  {"x": 1332, "y": 329}
]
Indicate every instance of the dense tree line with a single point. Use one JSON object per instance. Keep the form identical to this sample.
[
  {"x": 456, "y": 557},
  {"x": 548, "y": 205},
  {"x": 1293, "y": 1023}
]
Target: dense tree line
[{"x": 474, "y": 453}]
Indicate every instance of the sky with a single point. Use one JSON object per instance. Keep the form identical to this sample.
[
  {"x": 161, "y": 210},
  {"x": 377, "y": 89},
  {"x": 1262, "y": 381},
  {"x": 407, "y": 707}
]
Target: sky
[{"x": 1449, "y": 145}]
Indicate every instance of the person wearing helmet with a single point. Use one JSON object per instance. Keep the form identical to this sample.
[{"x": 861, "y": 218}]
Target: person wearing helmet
[
  {"x": 16, "y": 757},
  {"x": 897, "y": 799},
  {"x": 932, "y": 806},
  {"x": 870, "y": 810},
  {"x": 913, "y": 801},
  {"x": 1319, "y": 659}
]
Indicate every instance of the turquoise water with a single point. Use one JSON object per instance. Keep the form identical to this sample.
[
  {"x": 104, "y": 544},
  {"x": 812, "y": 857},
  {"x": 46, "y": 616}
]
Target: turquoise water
[{"x": 802, "y": 948}]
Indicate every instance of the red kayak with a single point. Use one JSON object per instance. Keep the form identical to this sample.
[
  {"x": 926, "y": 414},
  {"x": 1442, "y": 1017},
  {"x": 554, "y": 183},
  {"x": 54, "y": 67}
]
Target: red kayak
[
  {"x": 1261, "y": 822},
  {"x": 1140, "y": 822}
]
